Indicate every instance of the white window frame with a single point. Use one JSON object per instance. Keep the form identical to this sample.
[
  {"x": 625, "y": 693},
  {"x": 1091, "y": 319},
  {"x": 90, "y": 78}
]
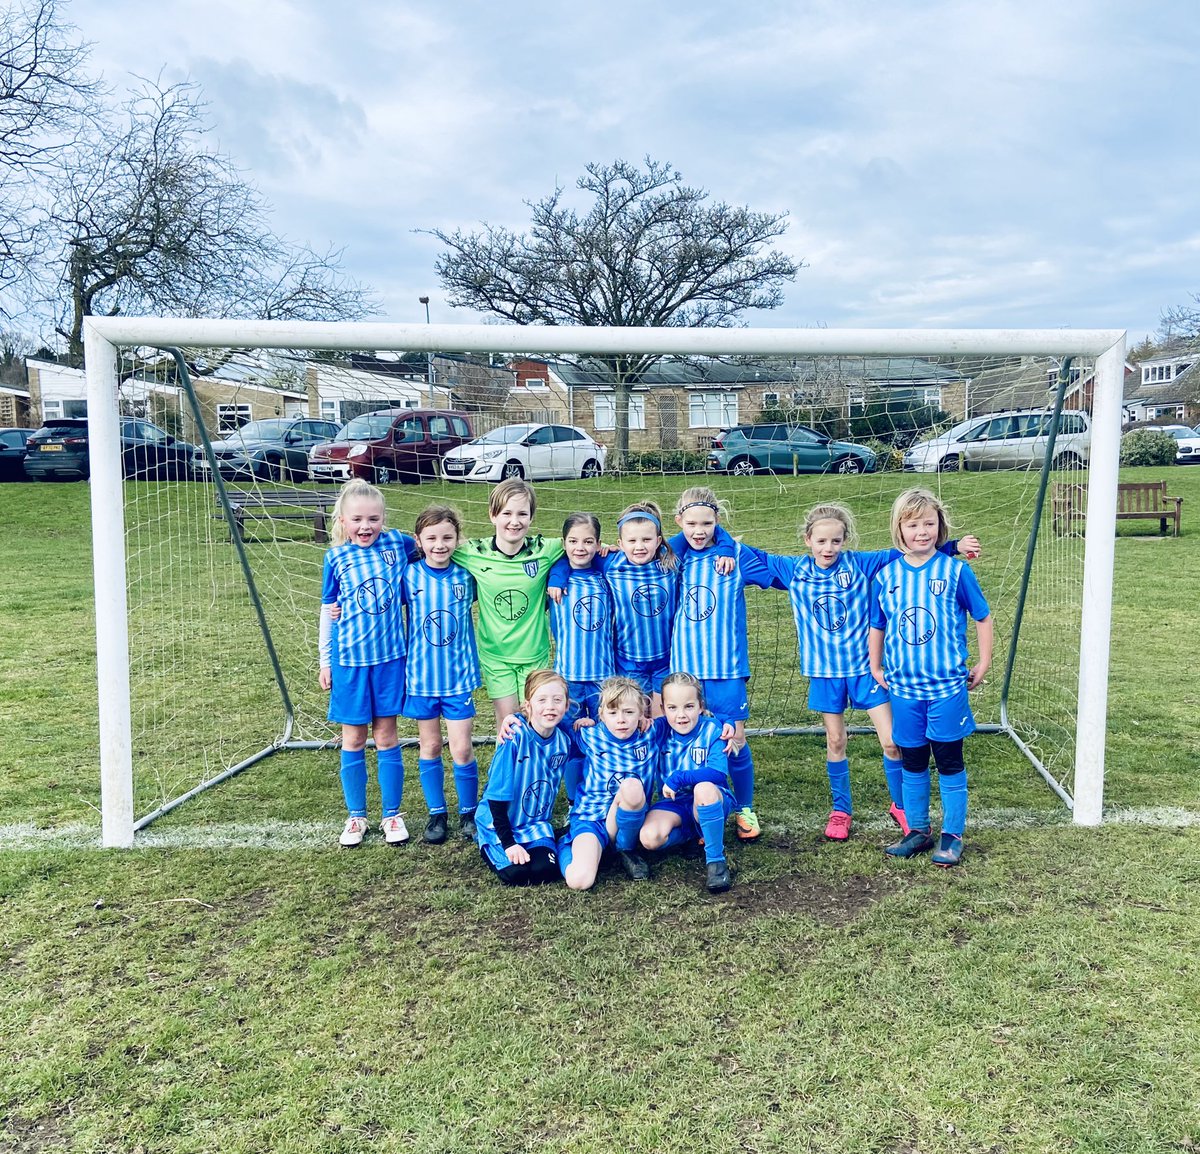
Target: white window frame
[
  {"x": 52, "y": 410},
  {"x": 712, "y": 410},
  {"x": 604, "y": 411},
  {"x": 770, "y": 401},
  {"x": 232, "y": 410},
  {"x": 532, "y": 385},
  {"x": 331, "y": 410}
]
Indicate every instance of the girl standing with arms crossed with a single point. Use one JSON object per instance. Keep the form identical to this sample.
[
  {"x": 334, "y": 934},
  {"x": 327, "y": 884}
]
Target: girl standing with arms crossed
[
  {"x": 362, "y": 654},
  {"x": 918, "y": 647},
  {"x": 511, "y": 569},
  {"x": 442, "y": 668}
]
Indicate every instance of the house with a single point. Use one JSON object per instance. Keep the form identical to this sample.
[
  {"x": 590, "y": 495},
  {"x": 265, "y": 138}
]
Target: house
[{"x": 1168, "y": 390}]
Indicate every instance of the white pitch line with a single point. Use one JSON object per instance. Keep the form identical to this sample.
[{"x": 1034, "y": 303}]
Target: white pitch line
[{"x": 289, "y": 835}]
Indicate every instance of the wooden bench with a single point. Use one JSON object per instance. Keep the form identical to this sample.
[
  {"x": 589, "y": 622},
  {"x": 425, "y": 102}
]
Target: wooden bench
[
  {"x": 1136, "y": 501},
  {"x": 314, "y": 505}
]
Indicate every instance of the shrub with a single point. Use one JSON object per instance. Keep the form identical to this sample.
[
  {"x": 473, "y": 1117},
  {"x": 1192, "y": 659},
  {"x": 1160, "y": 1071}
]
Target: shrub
[
  {"x": 665, "y": 461},
  {"x": 1147, "y": 447},
  {"x": 888, "y": 458}
]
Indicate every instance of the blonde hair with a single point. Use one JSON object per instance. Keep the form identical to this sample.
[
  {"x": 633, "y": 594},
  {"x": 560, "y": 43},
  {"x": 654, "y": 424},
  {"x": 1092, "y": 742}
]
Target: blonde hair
[
  {"x": 912, "y": 503},
  {"x": 506, "y": 491},
  {"x": 353, "y": 490},
  {"x": 702, "y": 495},
  {"x": 688, "y": 681},
  {"x": 540, "y": 677},
  {"x": 831, "y": 512},
  {"x": 434, "y": 515},
  {"x": 649, "y": 511},
  {"x": 615, "y": 691}
]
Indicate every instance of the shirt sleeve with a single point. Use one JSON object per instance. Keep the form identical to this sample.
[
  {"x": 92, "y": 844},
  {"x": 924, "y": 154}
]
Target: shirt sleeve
[
  {"x": 970, "y": 596},
  {"x": 780, "y": 569},
  {"x": 560, "y": 574},
  {"x": 878, "y": 616},
  {"x": 754, "y": 569},
  {"x": 330, "y": 586}
]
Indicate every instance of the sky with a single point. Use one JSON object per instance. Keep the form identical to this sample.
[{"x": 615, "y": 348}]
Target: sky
[{"x": 943, "y": 163}]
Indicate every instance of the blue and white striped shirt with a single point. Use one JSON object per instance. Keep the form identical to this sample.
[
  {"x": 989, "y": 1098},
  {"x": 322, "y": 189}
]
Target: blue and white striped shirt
[
  {"x": 366, "y": 581},
  {"x": 442, "y": 658},
  {"x": 608, "y": 761},
  {"x": 923, "y": 611},
  {"x": 690, "y": 758},
  {"x": 526, "y": 772},
  {"x": 582, "y": 623},
  {"x": 644, "y": 601}
]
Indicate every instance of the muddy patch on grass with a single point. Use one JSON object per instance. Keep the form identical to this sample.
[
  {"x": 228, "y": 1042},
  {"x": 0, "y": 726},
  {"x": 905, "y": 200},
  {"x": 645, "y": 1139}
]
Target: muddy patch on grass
[{"x": 830, "y": 901}]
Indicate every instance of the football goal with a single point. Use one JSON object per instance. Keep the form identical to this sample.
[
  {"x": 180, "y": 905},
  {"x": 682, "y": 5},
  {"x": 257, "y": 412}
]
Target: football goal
[{"x": 208, "y": 581}]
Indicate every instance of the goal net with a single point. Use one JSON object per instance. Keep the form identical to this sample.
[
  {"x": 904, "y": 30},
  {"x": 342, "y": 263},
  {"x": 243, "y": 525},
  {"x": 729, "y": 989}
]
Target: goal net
[{"x": 208, "y": 578}]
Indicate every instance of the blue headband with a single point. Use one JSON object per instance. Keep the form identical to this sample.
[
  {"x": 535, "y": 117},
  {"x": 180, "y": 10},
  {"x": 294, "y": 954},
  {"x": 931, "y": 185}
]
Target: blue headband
[{"x": 640, "y": 517}]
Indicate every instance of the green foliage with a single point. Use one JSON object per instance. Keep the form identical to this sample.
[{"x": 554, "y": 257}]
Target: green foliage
[
  {"x": 1147, "y": 447},
  {"x": 888, "y": 458},
  {"x": 664, "y": 461}
]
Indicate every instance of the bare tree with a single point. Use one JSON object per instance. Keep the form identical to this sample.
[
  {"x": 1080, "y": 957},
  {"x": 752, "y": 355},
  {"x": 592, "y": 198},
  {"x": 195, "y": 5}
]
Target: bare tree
[
  {"x": 151, "y": 218},
  {"x": 44, "y": 100},
  {"x": 1181, "y": 322},
  {"x": 650, "y": 250}
]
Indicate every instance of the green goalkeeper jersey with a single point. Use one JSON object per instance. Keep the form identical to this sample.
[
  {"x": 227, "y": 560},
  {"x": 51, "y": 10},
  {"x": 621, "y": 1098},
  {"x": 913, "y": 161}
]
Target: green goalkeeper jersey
[{"x": 513, "y": 624}]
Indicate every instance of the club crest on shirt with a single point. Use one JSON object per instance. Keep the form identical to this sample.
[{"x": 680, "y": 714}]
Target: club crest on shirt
[
  {"x": 937, "y": 586},
  {"x": 641, "y": 752},
  {"x": 531, "y": 568},
  {"x": 389, "y": 556},
  {"x": 460, "y": 591},
  {"x": 699, "y": 754},
  {"x": 844, "y": 578},
  {"x": 558, "y": 760}
]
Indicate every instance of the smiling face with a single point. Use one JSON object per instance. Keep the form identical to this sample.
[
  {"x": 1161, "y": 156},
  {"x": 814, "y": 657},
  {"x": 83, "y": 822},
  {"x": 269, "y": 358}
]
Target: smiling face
[
  {"x": 919, "y": 533},
  {"x": 580, "y": 544},
  {"x": 512, "y": 524},
  {"x": 825, "y": 541},
  {"x": 621, "y": 717},
  {"x": 699, "y": 525},
  {"x": 362, "y": 520},
  {"x": 640, "y": 541},
  {"x": 681, "y": 706},
  {"x": 437, "y": 543},
  {"x": 547, "y": 706}
]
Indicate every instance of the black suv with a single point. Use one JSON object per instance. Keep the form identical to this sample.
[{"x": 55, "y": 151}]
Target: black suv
[{"x": 60, "y": 449}]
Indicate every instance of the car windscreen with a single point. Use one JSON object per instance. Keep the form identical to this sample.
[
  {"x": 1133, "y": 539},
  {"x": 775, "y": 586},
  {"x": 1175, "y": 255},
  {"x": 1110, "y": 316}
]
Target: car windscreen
[
  {"x": 505, "y": 435},
  {"x": 368, "y": 427},
  {"x": 262, "y": 430}
]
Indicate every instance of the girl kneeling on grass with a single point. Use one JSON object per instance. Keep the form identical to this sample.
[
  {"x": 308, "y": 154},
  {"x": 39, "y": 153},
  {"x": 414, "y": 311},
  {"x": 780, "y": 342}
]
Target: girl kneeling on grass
[
  {"x": 362, "y": 653},
  {"x": 512, "y": 822},
  {"x": 695, "y": 781}
]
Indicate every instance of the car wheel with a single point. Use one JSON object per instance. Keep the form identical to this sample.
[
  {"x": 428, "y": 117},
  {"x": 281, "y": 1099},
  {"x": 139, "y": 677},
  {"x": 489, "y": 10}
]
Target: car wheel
[
  {"x": 950, "y": 463},
  {"x": 848, "y": 465},
  {"x": 383, "y": 476},
  {"x": 512, "y": 471},
  {"x": 1068, "y": 461},
  {"x": 742, "y": 467},
  {"x": 591, "y": 468}
]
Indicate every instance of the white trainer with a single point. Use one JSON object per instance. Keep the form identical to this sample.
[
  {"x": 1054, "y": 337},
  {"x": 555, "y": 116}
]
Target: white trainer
[
  {"x": 353, "y": 833},
  {"x": 395, "y": 832}
]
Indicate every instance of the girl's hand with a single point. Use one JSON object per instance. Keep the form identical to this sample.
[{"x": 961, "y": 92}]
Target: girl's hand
[
  {"x": 970, "y": 548},
  {"x": 507, "y": 729},
  {"x": 603, "y": 550},
  {"x": 335, "y": 611},
  {"x": 644, "y": 723},
  {"x": 725, "y": 565},
  {"x": 517, "y": 854},
  {"x": 555, "y": 594},
  {"x": 325, "y": 678},
  {"x": 668, "y": 793},
  {"x": 879, "y": 677},
  {"x": 976, "y": 675},
  {"x": 728, "y": 730},
  {"x": 584, "y": 722}
]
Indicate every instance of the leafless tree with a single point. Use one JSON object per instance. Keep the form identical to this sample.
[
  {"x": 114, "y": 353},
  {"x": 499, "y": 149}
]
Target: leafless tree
[{"x": 650, "y": 250}]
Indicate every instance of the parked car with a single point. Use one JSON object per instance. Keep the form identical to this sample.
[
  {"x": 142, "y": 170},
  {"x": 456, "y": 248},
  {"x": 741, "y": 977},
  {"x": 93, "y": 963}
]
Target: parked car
[
  {"x": 272, "y": 450},
  {"x": 537, "y": 452},
  {"x": 390, "y": 445},
  {"x": 1015, "y": 439},
  {"x": 747, "y": 449},
  {"x": 60, "y": 449},
  {"x": 1187, "y": 444},
  {"x": 12, "y": 454}
]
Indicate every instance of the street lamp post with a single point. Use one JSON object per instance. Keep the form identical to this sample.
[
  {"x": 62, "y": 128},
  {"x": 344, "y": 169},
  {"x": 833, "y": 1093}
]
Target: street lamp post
[{"x": 428, "y": 355}]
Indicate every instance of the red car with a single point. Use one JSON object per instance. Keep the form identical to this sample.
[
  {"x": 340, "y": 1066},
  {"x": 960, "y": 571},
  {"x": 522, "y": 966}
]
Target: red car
[{"x": 390, "y": 445}]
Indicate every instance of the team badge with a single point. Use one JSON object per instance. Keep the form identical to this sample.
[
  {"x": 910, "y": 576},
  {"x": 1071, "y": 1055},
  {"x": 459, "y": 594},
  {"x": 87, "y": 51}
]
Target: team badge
[
  {"x": 699, "y": 754},
  {"x": 389, "y": 556},
  {"x": 460, "y": 591},
  {"x": 641, "y": 752},
  {"x": 558, "y": 760},
  {"x": 844, "y": 578},
  {"x": 937, "y": 587},
  {"x": 531, "y": 568}
]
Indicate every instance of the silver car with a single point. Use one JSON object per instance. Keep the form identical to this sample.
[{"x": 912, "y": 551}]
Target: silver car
[{"x": 1011, "y": 440}]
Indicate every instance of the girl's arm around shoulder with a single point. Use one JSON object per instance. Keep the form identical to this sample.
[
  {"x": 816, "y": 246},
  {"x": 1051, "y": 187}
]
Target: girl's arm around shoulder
[
  {"x": 767, "y": 570},
  {"x": 985, "y": 636}
]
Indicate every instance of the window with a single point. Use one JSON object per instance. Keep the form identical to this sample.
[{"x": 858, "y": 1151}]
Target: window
[
  {"x": 565, "y": 434},
  {"x": 439, "y": 428},
  {"x": 461, "y": 428},
  {"x": 409, "y": 432},
  {"x": 932, "y": 395},
  {"x": 712, "y": 410},
  {"x": 230, "y": 418},
  {"x": 542, "y": 436},
  {"x": 534, "y": 384},
  {"x": 770, "y": 400},
  {"x": 330, "y": 410},
  {"x": 606, "y": 411},
  {"x": 52, "y": 410}
]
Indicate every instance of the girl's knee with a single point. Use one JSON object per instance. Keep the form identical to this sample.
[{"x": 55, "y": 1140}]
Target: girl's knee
[
  {"x": 579, "y": 877},
  {"x": 631, "y": 795},
  {"x": 890, "y": 750},
  {"x": 706, "y": 793},
  {"x": 651, "y": 837},
  {"x": 835, "y": 747},
  {"x": 430, "y": 750}
]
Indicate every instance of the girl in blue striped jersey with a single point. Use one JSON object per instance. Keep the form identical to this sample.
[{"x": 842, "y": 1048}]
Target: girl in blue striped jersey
[
  {"x": 512, "y": 823},
  {"x": 362, "y": 652},
  {"x": 918, "y": 647},
  {"x": 830, "y": 592},
  {"x": 709, "y": 638},
  {"x": 619, "y": 781},
  {"x": 443, "y": 668},
  {"x": 696, "y": 798}
]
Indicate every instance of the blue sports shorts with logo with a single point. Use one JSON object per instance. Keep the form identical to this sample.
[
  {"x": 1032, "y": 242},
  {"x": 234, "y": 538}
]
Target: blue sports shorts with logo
[
  {"x": 598, "y": 830},
  {"x": 726, "y": 698},
  {"x": 361, "y": 693},
  {"x": 585, "y": 694},
  {"x": 685, "y": 805},
  {"x": 943, "y": 719},
  {"x": 648, "y": 674},
  {"x": 834, "y": 694},
  {"x": 453, "y": 707}
]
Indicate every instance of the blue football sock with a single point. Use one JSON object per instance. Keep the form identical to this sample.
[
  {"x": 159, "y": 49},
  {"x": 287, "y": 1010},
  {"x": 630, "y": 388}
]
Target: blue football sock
[
  {"x": 566, "y": 853},
  {"x": 839, "y": 784},
  {"x": 741, "y": 773},
  {"x": 390, "y": 767},
  {"x": 916, "y": 799},
  {"x": 354, "y": 781},
  {"x": 893, "y": 770},
  {"x": 953, "y": 788},
  {"x": 433, "y": 784},
  {"x": 675, "y": 837},
  {"x": 466, "y": 785},
  {"x": 571, "y": 777},
  {"x": 629, "y": 823},
  {"x": 712, "y": 825}
]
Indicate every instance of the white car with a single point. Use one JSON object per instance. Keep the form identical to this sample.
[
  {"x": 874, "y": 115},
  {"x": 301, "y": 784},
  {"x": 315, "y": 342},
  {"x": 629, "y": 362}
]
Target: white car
[
  {"x": 1187, "y": 444},
  {"x": 1011, "y": 440},
  {"x": 535, "y": 452}
]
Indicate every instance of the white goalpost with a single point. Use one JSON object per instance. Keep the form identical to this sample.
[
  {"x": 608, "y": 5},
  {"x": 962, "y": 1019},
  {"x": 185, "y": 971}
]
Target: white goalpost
[{"x": 188, "y": 547}]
